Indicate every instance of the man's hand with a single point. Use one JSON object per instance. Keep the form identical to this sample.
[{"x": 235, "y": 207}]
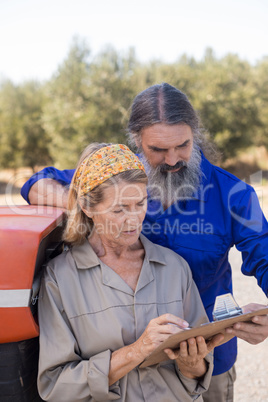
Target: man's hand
[
  {"x": 48, "y": 192},
  {"x": 253, "y": 332}
]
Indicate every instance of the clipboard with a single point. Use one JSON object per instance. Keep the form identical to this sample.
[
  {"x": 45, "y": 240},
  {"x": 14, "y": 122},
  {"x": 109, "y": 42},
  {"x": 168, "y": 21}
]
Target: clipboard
[{"x": 207, "y": 330}]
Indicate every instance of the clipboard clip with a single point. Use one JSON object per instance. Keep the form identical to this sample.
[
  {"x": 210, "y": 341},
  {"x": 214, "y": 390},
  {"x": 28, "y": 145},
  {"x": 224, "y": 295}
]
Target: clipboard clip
[{"x": 225, "y": 307}]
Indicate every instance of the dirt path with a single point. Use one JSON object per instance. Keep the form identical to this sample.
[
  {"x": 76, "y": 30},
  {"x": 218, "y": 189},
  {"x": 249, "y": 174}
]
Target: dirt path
[{"x": 252, "y": 363}]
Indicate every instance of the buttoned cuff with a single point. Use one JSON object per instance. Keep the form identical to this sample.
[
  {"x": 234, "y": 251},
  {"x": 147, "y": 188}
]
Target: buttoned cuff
[
  {"x": 98, "y": 381},
  {"x": 196, "y": 387}
]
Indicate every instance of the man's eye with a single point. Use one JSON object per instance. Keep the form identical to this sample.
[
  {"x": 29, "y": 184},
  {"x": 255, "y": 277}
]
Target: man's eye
[{"x": 117, "y": 211}]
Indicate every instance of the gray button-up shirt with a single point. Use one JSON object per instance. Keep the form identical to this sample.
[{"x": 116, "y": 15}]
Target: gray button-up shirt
[{"x": 87, "y": 311}]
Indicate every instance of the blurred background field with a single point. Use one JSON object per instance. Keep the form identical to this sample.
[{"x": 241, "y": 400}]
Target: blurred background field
[
  {"x": 88, "y": 99},
  {"x": 250, "y": 166}
]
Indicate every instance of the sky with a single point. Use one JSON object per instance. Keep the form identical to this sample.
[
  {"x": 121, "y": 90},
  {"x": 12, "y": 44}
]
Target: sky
[{"x": 35, "y": 35}]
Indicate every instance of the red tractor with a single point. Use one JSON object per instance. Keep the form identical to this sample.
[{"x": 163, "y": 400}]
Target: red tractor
[{"x": 29, "y": 237}]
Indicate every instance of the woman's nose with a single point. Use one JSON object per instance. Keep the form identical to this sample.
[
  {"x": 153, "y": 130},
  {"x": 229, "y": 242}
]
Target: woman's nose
[{"x": 132, "y": 218}]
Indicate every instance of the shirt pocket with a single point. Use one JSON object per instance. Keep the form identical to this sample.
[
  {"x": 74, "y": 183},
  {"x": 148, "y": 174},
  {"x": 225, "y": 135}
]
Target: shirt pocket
[
  {"x": 205, "y": 253},
  {"x": 174, "y": 307}
]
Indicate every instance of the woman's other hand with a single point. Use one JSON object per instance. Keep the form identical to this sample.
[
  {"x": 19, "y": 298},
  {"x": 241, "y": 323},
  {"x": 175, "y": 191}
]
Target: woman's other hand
[{"x": 190, "y": 356}]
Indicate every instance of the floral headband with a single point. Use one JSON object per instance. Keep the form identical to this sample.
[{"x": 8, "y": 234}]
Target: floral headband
[{"x": 103, "y": 164}]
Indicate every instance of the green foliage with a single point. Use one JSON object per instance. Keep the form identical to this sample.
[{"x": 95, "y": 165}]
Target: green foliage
[
  {"x": 23, "y": 140},
  {"x": 9, "y": 125},
  {"x": 261, "y": 85},
  {"x": 88, "y": 99},
  {"x": 65, "y": 114},
  {"x": 226, "y": 100}
]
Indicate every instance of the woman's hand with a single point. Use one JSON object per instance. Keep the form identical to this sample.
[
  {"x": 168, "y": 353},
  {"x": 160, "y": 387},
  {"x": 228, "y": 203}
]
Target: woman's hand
[
  {"x": 156, "y": 332},
  {"x": 190, "y": 355},
  {"x": 127, "y": 358}
]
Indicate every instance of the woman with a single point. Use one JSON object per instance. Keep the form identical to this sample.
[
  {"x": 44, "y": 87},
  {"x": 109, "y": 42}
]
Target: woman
[{"x": 113, "y": 297}]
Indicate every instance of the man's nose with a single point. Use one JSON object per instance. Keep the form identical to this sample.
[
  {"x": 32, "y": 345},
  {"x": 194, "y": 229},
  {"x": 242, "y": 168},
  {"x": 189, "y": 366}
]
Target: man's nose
[{"x": 171, "y": 158}]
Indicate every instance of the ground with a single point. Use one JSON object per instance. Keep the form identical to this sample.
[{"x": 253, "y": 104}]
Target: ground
[{"x": 252, "y": 364}]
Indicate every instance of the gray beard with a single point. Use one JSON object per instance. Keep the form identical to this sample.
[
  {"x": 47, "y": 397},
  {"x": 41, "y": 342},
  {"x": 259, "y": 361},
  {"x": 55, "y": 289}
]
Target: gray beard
[{"x": 170, "y": 187}]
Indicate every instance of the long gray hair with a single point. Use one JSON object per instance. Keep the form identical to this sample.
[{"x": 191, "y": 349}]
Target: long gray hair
[{"x": 163, "y": 103}]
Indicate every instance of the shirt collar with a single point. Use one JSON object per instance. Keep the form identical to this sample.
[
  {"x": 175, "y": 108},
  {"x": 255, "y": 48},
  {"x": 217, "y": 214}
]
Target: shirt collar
[
  {"x": 85, "y": 257},
  {"x": 203, "y": 188},
  {"x": 153, "y": 252}
]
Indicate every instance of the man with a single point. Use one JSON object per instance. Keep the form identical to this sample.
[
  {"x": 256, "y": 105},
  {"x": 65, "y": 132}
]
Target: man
[{"x": 195, "y": 208}]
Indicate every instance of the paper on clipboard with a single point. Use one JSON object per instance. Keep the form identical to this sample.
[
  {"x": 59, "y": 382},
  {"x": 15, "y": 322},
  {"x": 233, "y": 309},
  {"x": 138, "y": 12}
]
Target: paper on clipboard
[{"x": 206, "y": 330}]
